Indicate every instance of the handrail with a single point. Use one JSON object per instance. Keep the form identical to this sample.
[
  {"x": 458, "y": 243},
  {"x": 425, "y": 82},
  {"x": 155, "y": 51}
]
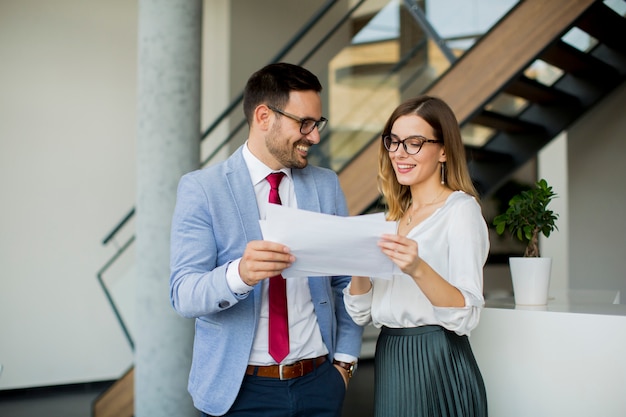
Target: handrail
[
  {"x": 317, "y": 16},
  {"x": 107, "y": 293},
  {"x": 306, "y": 57},
  {"x": 117, "y": 228},
  {"x": 418, "y": 15},
  {"x": 290, "y": 45}
]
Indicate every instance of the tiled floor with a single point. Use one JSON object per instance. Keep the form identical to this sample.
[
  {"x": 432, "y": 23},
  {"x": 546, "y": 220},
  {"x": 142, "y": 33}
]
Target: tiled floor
[{"x": 76, "y": 400}]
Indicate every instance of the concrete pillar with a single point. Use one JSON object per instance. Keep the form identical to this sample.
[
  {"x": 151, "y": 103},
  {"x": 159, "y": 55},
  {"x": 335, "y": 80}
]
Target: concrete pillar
[{"x": 168, "y": 145}]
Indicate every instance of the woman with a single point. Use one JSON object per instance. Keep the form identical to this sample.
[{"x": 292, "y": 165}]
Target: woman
[{"x": 424, "y": 363}]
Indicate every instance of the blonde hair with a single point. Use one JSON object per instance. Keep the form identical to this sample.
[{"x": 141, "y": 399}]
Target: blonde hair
[{"x": 441, "y": 118}]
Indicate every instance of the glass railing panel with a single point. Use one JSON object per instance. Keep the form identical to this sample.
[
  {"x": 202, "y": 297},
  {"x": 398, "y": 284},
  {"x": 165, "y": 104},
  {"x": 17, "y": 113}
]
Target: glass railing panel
[
  {"x": 388, "y": 58},
  {"x": 461, "y": 23},
  {"x": 362, "y": 93},
  {"x": 393, "y": 56}
]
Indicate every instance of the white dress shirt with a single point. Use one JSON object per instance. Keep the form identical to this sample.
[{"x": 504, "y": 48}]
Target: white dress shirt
[
  {"x": 454, "y": 241},
  {"x": 305, "y": 338}
]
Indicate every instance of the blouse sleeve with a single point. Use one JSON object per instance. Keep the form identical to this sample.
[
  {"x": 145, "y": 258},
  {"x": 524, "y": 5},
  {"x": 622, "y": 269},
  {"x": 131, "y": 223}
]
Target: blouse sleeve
[
  {"x": 359, "y": 307},
  {"x": 468, "y": 249}
]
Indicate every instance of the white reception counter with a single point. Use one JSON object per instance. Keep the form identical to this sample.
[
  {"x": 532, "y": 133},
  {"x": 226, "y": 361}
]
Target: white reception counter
[{"x": 567, "y": 359}]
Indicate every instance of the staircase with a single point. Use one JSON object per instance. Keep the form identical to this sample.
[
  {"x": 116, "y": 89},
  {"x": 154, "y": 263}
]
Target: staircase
[{"x": 498, "y": 69}]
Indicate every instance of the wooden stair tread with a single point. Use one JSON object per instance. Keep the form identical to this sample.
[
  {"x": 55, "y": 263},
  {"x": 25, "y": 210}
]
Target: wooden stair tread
[{"x": 118, "y": 400}]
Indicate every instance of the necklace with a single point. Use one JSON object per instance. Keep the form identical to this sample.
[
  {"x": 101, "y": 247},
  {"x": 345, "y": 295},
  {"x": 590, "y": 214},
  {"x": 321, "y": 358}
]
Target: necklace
[{"x": 410, "y": 219}]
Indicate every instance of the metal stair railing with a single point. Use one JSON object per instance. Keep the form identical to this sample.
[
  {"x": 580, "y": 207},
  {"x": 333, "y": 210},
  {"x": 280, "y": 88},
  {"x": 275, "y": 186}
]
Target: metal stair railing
[{"x": 290, "y": 45}]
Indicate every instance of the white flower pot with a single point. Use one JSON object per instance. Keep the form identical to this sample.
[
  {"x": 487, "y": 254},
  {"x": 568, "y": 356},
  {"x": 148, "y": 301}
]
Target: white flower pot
[{"x": 531, "y": 280}]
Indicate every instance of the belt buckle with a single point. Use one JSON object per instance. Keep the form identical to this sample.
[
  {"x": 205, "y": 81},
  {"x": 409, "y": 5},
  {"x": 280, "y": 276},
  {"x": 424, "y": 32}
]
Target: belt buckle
[{"x": 281, "y": 368}]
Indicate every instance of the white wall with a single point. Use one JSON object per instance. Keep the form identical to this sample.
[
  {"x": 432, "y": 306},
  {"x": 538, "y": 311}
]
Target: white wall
[
  {"x": 597, "y": 197},
  {"x": 585, "y": 166},
  {"x": 67, "y": 174},
  {"x": 216, "y": 79},
  {"x": 552, "y": 166}
]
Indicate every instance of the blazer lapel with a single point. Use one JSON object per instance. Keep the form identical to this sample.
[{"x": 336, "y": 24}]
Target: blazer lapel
[
  {"x": 241, "y": 191},
  {"x": 306, "y": 190}
]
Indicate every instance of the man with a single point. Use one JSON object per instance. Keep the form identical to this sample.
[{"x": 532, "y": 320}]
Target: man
[{"x": 224, "y": 274}]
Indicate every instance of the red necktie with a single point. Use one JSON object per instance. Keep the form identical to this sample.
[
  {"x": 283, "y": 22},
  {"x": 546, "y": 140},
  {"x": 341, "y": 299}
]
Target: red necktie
[{"x": 278, "y": 323}]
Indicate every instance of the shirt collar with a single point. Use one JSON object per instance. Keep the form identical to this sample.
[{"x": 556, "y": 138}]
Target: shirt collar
[{"x": 258, "y": 170}]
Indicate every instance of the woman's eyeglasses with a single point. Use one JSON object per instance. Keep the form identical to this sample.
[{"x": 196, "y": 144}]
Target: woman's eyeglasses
[{"x": 412, "y": 145}]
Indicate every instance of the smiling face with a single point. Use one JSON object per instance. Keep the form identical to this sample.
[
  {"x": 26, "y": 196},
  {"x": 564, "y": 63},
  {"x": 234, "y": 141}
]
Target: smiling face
[
  {"x": 422, "y": 167},
  {"x": 278, "y": 141}
]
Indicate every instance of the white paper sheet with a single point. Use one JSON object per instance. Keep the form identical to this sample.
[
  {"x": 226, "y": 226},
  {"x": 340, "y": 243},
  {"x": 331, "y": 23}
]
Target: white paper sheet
[{"x": 330, "y": 245}]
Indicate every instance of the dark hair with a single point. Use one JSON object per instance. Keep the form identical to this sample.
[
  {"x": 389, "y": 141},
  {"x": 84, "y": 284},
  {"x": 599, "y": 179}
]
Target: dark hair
[
  {"x": 273, "y": 83},
  {"x": 441, "y": 118}
]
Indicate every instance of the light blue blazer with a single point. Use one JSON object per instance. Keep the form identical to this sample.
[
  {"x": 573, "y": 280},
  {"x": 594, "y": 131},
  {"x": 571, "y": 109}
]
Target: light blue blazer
[{"x": 216, "y": 215}]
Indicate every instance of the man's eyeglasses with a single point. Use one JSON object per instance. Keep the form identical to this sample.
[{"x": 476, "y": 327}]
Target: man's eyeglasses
[
  {"x": 412, "y": 145},
  {"x": 306, "y": 124}
]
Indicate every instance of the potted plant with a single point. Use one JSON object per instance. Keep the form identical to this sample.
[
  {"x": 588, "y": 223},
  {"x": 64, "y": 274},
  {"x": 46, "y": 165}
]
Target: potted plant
[{"x": 526, "y": 217}]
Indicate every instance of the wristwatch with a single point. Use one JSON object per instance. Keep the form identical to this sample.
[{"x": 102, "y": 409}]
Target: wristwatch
[{"x": 348, "y": 366}]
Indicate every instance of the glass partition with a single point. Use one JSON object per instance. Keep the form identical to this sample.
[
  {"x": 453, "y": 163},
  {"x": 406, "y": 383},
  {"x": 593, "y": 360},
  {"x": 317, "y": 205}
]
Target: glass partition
[{"x": 398, "y": 49}]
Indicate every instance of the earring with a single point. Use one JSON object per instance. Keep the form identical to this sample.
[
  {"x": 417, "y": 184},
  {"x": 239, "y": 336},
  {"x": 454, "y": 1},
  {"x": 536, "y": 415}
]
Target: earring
[{"x": 443, "y": 173}]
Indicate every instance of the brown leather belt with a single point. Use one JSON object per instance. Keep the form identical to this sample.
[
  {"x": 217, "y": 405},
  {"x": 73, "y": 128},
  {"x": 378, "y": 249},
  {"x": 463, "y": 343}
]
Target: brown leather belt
[{"x": 282, "y": 372}]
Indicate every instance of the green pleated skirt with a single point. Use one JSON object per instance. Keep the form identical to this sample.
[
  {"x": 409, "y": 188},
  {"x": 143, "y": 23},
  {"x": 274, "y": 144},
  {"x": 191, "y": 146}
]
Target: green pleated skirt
[{"x": 427, "y": 372}]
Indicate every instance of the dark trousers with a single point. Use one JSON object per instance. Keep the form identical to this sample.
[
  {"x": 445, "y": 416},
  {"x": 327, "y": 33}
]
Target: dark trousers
[{"x": 319, "y": 393}]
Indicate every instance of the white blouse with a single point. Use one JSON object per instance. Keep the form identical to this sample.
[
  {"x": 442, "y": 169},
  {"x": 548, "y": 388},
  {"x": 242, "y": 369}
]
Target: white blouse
[{"x": 454, "y": 242}]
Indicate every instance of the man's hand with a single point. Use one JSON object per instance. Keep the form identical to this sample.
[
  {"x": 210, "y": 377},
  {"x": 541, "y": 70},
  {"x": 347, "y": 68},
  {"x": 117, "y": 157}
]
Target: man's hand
[
  {"x": 344, "y": 374},
  {"x": 263, "y": 259}
]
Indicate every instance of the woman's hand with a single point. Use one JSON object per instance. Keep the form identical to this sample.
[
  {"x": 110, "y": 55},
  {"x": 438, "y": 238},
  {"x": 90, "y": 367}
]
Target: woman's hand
[{"x": 402, "y": 251}]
